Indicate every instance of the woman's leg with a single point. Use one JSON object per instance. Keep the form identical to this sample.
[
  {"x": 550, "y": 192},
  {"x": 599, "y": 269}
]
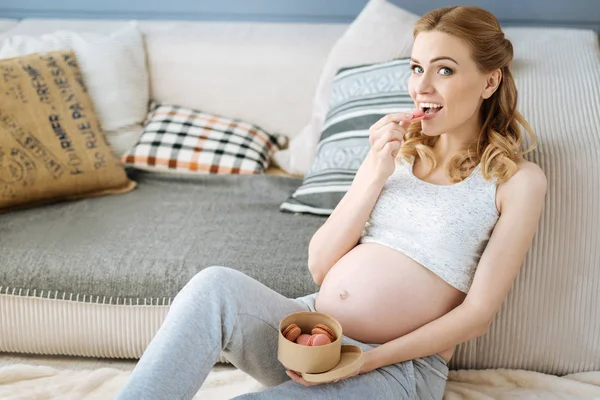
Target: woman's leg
[
  {"x": 219, "y": 309},
  {"x": 431, "y": 374}
]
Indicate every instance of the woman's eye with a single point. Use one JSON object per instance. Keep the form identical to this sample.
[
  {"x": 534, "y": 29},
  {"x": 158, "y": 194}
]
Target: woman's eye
[
  {"x": 417, "y": 70},
  {"x": 446, "y": 71}
]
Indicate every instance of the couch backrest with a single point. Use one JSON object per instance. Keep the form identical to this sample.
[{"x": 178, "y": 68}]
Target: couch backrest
[{"x": 263, "y": 73}]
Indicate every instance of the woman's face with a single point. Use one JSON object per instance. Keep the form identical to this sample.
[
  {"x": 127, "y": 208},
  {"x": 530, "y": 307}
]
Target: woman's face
[{"x": 445, "y": 81}]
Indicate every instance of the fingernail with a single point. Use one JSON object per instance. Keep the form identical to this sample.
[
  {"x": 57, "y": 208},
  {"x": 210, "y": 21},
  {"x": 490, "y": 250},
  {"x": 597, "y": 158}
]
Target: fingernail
[{"x": 408, "y": 115}]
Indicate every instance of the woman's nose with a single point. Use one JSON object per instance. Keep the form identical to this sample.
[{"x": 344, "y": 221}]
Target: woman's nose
[{"x": 424, "y": 85}]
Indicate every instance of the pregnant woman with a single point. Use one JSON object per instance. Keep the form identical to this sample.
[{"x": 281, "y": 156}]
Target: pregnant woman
[{"x": 417, "y": 257}]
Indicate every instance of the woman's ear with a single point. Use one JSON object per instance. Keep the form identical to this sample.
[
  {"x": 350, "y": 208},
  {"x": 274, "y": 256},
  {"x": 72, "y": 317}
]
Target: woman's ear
[{"x": 492, "y": 83}]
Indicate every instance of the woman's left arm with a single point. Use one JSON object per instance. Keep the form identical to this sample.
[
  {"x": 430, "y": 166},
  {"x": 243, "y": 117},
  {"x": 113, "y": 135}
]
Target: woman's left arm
[{"x": 521, "y": 206}]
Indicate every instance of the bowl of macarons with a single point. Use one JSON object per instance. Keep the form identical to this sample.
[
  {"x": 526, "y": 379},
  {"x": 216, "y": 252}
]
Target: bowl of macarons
[{"x": 310, "y": 343}]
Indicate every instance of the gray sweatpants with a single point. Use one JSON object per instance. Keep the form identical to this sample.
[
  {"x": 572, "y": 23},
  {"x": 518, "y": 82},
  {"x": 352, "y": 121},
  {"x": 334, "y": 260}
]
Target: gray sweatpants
[{"x": 223, "y": 310}]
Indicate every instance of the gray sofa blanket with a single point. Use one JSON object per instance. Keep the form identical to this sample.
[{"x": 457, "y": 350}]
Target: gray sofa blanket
[{"x": 143, "y": 246}]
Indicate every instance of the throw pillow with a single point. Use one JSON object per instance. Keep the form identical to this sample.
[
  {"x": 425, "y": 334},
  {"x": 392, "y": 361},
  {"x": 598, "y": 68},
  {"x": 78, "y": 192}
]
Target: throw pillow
[
  {"x": 359, "y": 97},
  {"x": 178, "y": 139},
  {"x": 114, "y": 70},
  {"x": 380, "y": 33},
  {"x": 51, "y": 144}
]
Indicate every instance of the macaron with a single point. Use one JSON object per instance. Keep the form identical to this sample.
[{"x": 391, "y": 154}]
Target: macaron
[
  {"x": 303, "y": 339},
  {"x": 417, "y": 113},
  {"x": 323, "y": 329},
  {"x": 318, "y": 339},
  {"x": 292, "y": 332}
]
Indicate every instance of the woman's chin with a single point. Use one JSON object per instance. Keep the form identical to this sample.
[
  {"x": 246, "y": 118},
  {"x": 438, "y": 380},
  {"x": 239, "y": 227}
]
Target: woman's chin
[{"x": 429, "y": 131}]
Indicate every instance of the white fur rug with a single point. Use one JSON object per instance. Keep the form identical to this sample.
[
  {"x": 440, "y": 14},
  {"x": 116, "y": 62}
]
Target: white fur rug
[{"x": 31, "y": 382}]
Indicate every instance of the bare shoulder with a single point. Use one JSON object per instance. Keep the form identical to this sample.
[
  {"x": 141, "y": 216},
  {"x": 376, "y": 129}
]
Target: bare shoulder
[
  {"x": 529, "y": 173},
  {"x": 529, "y": 184}
]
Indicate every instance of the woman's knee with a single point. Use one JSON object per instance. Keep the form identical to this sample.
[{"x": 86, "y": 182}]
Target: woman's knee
[
  {"x": 210, "y": 283},
  {"x": 214, "y": 272},
  {"x": 215, "y": 278}
]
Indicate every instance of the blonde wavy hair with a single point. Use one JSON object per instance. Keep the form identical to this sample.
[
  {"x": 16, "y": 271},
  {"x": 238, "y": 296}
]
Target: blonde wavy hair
[{"x": 499, "y": 143}]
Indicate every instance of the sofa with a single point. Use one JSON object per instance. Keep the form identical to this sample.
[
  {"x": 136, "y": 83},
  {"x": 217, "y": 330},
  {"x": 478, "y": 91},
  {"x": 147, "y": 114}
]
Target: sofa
[{"x": 95, "y": 276}]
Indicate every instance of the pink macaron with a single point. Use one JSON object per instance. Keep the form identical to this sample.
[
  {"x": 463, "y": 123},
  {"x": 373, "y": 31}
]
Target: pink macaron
[
  {"x": 318, "y": 339},
  {"x": 303, "y": 339}
]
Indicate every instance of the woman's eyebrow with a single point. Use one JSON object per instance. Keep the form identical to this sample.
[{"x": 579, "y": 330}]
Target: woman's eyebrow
[{"x": 436, "y": 59}]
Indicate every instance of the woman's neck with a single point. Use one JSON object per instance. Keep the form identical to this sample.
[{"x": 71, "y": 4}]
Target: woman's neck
[{"x": 448, "y": 144}]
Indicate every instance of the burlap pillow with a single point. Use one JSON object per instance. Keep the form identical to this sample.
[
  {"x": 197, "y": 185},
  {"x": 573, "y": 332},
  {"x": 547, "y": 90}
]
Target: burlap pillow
[{"x": 51, "y": 144}]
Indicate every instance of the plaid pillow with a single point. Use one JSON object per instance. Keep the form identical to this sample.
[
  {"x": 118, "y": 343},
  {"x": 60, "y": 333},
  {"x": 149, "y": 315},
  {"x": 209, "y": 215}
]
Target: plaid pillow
[{"x": 178, "y": 139}]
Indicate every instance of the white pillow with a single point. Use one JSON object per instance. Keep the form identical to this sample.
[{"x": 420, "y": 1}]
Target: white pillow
[
  {"x": 113, "y": 68},
  {"x": 382, "y": 31}
]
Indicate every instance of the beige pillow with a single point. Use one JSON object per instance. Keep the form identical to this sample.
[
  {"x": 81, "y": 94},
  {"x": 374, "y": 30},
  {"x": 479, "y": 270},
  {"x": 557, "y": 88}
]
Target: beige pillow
[
  {"x": 381, "y": 32},
  {"x": 51, "y": 144}
]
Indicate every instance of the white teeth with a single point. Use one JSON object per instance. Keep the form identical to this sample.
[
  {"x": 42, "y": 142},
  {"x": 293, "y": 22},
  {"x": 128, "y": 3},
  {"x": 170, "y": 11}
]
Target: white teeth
[{"x": 430, "y": 105}]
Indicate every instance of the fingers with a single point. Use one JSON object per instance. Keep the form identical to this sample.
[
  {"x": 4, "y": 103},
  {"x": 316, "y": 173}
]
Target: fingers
[
  {"x": 392, "y": 148},
  {"x": 405, "y": 124},
  {"x": 392, "y": 127},
  {"x": 296, "y": 377},
  {"x": 292, "y": 374},
  {"x": 391, "y": 134},
  {"x": 407, "y": 116}
]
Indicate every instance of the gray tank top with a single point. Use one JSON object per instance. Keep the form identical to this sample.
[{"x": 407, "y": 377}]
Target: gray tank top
[{"x": 445, "y": 228}]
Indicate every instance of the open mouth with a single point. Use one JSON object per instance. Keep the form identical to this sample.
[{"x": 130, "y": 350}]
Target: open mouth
[{"x": 430, "y": 109}]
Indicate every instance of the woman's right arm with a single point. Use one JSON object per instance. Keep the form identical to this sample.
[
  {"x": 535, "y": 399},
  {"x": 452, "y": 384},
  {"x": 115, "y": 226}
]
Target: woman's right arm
[{"x": 342, "y": 230}]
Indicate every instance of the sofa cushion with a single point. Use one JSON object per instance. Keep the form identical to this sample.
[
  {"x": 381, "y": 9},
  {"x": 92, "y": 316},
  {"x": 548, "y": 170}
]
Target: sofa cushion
[
  {"x": 360, "y": 96},
  {"x": 51, "y": 144},
  {"x": 146, "y": 245},
  {"x": 179, "y": 139},
  {"x": 113, "y": 66}
]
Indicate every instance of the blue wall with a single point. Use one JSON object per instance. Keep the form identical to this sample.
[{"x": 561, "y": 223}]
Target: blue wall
[{"x": 584, "y": 13}]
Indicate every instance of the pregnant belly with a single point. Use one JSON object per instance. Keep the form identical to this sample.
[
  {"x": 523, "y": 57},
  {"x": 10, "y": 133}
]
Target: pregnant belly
[{"x": 378, "y": 294}]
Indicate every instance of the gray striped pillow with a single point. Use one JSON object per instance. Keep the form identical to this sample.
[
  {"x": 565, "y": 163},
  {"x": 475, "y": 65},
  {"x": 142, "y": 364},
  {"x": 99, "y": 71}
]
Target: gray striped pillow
[{"x": 360, "y": 96}]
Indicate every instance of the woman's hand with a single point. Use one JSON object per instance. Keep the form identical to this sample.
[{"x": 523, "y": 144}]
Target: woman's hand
[
  {"x": 368, "y": 365},
  {"x": 386, "y": 137}
]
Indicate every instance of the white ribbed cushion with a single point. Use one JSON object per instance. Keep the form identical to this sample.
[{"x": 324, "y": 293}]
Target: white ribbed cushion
[
  {"x": 78, "y": 326},
  {"x": 114, "y": 70},
  {"x": 551, "y": 320},
  {"x": 49, "y": 325}
]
